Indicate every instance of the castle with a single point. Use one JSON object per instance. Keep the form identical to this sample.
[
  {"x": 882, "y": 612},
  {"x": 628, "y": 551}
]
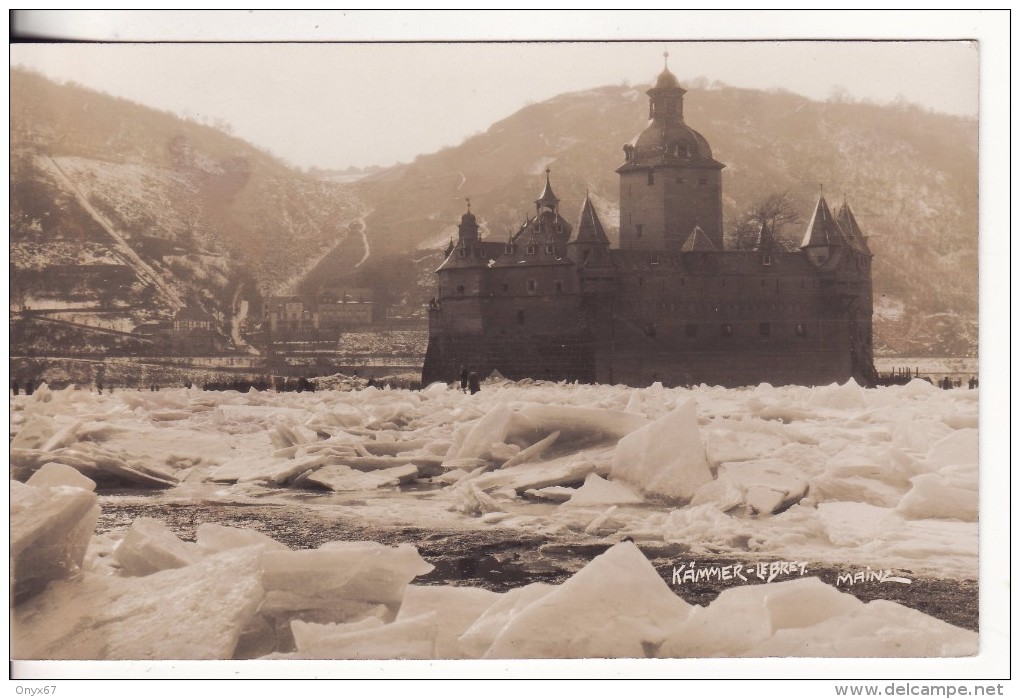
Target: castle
[{"x": 669, "y": 304}]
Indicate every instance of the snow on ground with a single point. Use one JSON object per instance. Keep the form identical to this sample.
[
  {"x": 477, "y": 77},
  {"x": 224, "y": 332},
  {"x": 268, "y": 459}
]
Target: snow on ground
[{"x": 882, "y": 478}]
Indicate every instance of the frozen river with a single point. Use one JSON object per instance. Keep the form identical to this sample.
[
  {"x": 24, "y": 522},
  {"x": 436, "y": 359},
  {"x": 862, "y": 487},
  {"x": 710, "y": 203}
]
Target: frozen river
[{"x": 524, "y": 484}]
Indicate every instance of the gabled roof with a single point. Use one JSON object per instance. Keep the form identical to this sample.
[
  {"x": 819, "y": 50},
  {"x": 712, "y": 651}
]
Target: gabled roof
[
  {"x": 698, "y": 241},
  {"x": 589, "y": 228},
  {"x": 847, "y": 222},
  {"x": 822, "y": 230}
]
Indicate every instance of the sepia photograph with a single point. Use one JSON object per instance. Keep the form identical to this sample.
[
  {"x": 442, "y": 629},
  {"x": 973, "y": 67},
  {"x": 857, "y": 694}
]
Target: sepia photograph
[{"x": 555, "y": 347}]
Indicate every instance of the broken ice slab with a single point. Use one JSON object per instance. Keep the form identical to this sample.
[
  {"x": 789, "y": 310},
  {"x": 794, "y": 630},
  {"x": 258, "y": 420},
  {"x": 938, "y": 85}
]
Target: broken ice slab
[
  {"x": 592, "y": 425},
  {"x": 766, "y": 486},
  {"x": 338, "y": 571},
  {"x": 213, "y": 538},
  {"x": 553, "y": 493},
  {"x": 566, "y": 470},
  {"x": 598, "y": 492},
  {"x": 617, "y": 606},
  {"x": 394, "y": 447},
  {"x": 878, "y": 629},
  {"x": 427, "y": 465},
  {"x": 745, "y": 616},
  {"x": 268, "y": 469},
  {"x": 50, "y": 532},
  {"x": 471, "y": 499},
  {"x": 410, "y": 639},
  {"x": 93, "y": 462},
  {"x": 456, "y": 609},
  {"x": 940, "y": 496},
  {"x": 478, "y": 637},
  {"x": 196, "y": 613},
  {"x": 665, "y": 459},
  {"x": 345, "y": 479},
  {"x": 149, "y": 546},
  {"x": 490, "y": 430},
  {"x": 53, "y": 474},
  {"x": 534, "y": 452},
  {"x": 285, "y": 435}
]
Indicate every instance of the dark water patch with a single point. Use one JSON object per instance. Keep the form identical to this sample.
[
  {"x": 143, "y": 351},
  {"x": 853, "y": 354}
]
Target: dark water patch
[{"x": 501, "y": 559}]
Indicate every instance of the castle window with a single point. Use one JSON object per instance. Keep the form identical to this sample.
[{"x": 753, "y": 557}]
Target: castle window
[
  {"x": 766, "y": 260},
  {"x": 506, "y": 287},
  {"x": 559, "y": 227},
  {"x": 559, "y": 287},
  {"x": 532, "y": 285},
  {"x": 638, "y": 230},
  {"x": 702, "y": 180},
  {"x": 511, "y": 248},
  {"x": 691, "y": 330},
  {"x": 765, "y": 329},
  {"x": 653, "y": 259},
  {"x": 520, "y": 317},
  {"x": 550, "y": 249},
  {"x": 800, "y": 330},
  {"x": 763, "y": 282},
  {"x": 460, "y": 289},
  {"x": 462, "y": 252},
  {"x": 531, "y": 249},
  {"x": 651, "y": 177},
  {"x": 726, "y": 330}
]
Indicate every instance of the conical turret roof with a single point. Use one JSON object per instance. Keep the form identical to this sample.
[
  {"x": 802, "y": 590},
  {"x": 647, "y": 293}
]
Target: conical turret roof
[
  {"x": 589, "y": 228},
  {"x": 698, "y": 241},
  {"x": 847, "y": 222},
  {"x": 823, "y": 231}
]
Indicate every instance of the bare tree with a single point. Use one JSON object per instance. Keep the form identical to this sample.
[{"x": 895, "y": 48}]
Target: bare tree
[{"x": 771, "y": 213}]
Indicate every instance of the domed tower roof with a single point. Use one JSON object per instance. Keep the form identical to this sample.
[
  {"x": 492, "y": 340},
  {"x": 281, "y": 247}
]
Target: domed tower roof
[
  {"x": 468, "y": 228},
  {"x": 668, "y": 141}
]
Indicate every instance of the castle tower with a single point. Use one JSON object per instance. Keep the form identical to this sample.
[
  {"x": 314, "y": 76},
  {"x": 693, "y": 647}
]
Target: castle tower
[{"x": 669, "y": 182}]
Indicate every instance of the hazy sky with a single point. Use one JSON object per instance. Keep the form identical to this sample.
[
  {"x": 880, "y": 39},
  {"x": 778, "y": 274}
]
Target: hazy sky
[{"x": 334, "y": 105}]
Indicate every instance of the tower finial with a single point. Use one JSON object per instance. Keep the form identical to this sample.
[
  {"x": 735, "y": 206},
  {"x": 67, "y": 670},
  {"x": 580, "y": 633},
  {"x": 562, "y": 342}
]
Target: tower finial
[
  {"x": 468, "y": 200},
  {"x": 821, "y": 191},
  {"x": 665, "y": 60}
]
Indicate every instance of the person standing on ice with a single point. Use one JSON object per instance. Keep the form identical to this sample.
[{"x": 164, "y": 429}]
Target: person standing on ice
[
  {"x": 15, "y": 387},
  {"x": 473, "y": 383},
  {"x": 463, "y": 379}
]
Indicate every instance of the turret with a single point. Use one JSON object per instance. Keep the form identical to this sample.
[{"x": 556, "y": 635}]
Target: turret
[
  {"x": 468, "y": 228},
  {"x": 824, "y": 242},
  {"x": 591, "y": 242}
]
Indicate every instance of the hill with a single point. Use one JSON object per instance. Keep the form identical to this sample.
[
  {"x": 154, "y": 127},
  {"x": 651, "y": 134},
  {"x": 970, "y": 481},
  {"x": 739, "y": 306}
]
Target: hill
[
  {"x": 911, "y": 177},
  {"x": 116, "y": 206}
]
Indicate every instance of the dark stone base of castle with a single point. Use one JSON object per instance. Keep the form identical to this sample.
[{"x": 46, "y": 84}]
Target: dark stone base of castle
[
  {"x": 559, "y": 359},
  {"x": 732, "y": 368},
  {"x": 583, "y": 360}
]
